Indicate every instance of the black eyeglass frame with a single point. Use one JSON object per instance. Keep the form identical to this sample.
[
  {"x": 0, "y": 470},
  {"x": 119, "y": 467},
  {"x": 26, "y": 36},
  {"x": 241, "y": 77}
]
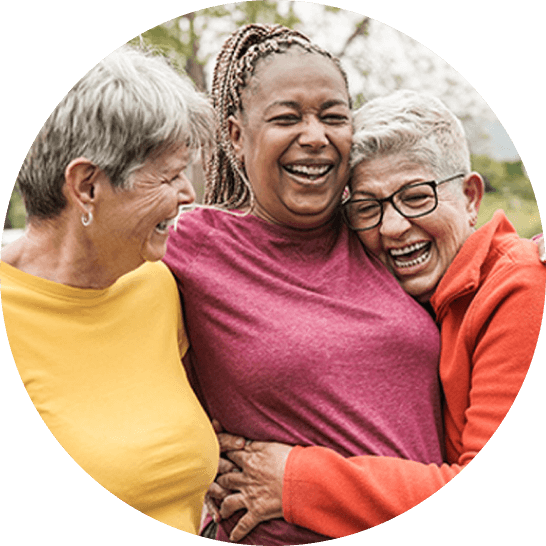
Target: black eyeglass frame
[{"x": 390, "y": 199}]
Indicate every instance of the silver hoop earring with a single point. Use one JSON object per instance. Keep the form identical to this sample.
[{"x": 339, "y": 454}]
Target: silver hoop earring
[{"x": 87, "y": 219}]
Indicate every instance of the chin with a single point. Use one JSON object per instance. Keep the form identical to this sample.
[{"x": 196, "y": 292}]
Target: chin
[
  {"x": 155, "y": 258},
  {"x": 155, "y": 254},
  {"x": 421, "y": 293}
]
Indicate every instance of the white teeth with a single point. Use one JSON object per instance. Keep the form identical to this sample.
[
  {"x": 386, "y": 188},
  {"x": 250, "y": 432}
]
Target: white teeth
[
  {"x": 165, "y": 224},
  {"x": 309, "y": 170},
  {"x": 419, "y": 260},
  {"x": 407, "y": 249}
]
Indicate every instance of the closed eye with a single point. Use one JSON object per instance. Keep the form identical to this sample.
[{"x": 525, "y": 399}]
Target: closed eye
[
  {"x": 176, "y": 177},
  {"x": 286, "y": 119},
  {"x": 335, "y": 119}
]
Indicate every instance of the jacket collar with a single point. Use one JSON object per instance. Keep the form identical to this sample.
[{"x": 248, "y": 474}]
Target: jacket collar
[{"x": 464, "y": 274}]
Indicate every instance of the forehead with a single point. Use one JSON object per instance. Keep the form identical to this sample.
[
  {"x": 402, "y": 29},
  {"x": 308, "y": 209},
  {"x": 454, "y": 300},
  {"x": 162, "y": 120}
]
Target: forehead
[
  {"x": 384, "y": 175},
  {"x": 293, "y": 74}
]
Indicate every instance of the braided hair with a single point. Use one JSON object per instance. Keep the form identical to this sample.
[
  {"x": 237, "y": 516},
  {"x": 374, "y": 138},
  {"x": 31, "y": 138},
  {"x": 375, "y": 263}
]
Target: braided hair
[{"x": 227, "y": 184}]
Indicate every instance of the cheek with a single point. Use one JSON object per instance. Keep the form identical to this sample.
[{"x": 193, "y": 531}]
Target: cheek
[
  {"x": 448, "y": 226},
  {"x": 160, "y": 199},
  {"x": 343, "y": 142},
  {"x": 449, "y": 242}
]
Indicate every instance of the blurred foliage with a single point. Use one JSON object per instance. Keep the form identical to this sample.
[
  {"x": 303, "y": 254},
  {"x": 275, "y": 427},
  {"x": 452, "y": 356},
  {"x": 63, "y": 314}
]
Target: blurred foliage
[
  {"x": 507, "y": 176},
  {"x": 15, "y": 218},
  {"x": 508, "y": 188},
  {"x": 179, "y": 38}
]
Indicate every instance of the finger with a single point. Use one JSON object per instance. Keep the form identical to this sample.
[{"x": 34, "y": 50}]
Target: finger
[
  {"x": 216, "y": 491},
  {"x": 239, "y": 457},
  {"x": 231, "y": 481},
  {"x": 229, "y": 442},
  {"x": 539, "y": 241},
  {"x": 225, "y": 466},
  {"x": 212, "y": 509},
  {"x": 231, "y": 504},
  {"x": 217, "y": 426},
  {"x": 243, "y": 527}
]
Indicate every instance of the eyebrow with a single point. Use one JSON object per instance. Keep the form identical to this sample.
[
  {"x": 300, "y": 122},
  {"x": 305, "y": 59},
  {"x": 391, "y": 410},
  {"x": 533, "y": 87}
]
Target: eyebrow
[
  {"x": 296, "y": 105},
  {"x": 363, "y": 194},
  {"x": 367, "y": 194}
]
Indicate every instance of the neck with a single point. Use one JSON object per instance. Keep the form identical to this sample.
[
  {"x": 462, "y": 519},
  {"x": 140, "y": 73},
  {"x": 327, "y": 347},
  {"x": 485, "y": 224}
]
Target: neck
[
  {"x": 59, "y": 250},
  {"x": 311, "y": 224}
]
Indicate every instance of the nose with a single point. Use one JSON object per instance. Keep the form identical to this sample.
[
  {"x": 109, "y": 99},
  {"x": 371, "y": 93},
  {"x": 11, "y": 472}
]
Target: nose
[
  {"x": 393, "y": 225},
  {"x": 186, "y": 193},
  {"x": 313, "y": 133}
]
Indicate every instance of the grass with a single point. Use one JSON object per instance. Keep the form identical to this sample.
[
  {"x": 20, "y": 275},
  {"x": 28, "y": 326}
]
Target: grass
[{"x": 523, "y": 213}]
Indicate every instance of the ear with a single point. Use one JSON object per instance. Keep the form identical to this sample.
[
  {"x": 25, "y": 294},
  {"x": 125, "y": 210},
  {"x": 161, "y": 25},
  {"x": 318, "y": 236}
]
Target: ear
[
  {"x": 473, "y": 189},
  {"x": 80, "y": 179},
  {"x": 236, "y": 134}
]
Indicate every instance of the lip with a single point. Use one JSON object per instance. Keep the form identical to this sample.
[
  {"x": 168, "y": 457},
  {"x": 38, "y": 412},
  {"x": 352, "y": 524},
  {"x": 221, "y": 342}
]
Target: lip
[
  {"x": 314, "y": 161},
  {"x": 406, "y": 247}
]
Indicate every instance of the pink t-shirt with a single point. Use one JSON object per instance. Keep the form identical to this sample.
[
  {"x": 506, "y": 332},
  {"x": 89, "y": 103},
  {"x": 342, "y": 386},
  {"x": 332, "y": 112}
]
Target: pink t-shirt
[{"x": 300, "y": 337}]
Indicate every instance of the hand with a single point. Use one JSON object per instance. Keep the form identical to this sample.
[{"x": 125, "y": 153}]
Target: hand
[
  {"x": 541, "y": 250},
  {"x": 539, "y": 240},
  {"x": 227, "y": 442},
  {"x": 258, "y": 486}
]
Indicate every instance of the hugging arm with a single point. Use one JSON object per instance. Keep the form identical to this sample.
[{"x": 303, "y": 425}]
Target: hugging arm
[
  {"x": 317, "y": 488},
  {"x": 338, "y": 496}
]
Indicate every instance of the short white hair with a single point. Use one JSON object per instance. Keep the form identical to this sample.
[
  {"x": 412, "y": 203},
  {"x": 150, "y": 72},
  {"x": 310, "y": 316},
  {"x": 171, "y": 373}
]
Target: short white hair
[
  {"x": 415, "y": 124},
  {"x": 130, "y": 105}
]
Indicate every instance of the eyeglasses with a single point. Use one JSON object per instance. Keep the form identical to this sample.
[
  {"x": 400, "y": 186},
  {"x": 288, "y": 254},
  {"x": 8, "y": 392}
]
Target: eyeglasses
[{"x": 410, "y": 201}]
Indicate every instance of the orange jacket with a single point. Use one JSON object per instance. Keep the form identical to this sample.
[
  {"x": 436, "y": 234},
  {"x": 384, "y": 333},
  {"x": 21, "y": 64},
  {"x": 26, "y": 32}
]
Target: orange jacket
[{"x": 489, "y": 305}]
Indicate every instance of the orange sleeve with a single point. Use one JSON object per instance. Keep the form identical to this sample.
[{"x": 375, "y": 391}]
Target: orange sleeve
[
  {"x": 352, "y": 494},
  {"x": 505, "y": 320}
]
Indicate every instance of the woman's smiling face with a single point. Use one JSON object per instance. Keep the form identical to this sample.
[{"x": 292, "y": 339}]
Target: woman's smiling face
[
  {"x": 134, "y": 222},
  {"x": 418, "y": 251},
  {"x": 294, "y": 138}
]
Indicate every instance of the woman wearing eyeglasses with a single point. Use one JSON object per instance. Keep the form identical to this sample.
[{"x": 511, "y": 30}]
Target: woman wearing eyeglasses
[
  {"x": 419, "y": 260},
  {"x": 414, "y": 203}
]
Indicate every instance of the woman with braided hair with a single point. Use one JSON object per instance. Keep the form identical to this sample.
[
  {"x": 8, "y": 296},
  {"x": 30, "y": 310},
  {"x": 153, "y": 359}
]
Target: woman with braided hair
[
  {"x": 296, "y": 334},
  {"x": 228, "y": 183}
]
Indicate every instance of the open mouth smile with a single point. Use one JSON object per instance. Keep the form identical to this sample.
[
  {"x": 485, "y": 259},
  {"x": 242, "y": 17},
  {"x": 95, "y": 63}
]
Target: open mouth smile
[
  {"x": 163, "y": 226},
  {"x": 308, "y": 173},
  {"x": 410, "y": 255}
]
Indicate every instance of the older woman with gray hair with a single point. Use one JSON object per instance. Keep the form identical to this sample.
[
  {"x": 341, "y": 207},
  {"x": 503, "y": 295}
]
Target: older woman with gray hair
[
  {"x": 92, "y": 316},
  {"x": 414, "y": 204}
]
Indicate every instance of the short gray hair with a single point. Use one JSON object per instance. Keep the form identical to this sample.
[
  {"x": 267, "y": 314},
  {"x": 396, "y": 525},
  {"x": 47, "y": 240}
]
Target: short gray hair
[
  {"x": 130, "y": 105},
  {"x": 415, "y": 124}
]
